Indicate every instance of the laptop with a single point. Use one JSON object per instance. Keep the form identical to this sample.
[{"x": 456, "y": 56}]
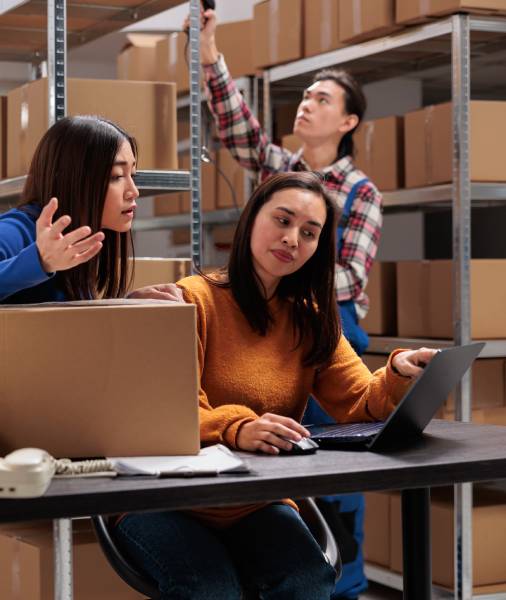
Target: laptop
[{"x": 414, "y": 411}]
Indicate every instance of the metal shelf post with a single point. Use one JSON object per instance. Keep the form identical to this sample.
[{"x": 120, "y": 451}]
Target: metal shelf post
[
  {"x": 461, "y": 96},
  {"x": 56, "y": 59}
]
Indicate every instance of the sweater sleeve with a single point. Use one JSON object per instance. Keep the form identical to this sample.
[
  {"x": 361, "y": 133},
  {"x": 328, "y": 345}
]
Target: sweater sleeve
[
  {"x": 349, "y": 392},
  {"x": 20, "y": 266},
  {"x": 220, "y": 424}
]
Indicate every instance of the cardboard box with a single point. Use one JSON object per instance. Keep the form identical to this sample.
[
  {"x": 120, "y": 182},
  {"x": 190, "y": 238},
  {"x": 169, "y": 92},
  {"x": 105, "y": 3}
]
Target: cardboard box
[
  {"x": 146, "y": 110},
  {"x": 137, "y": 59},
  {"x": 376, "y": 546},
  {"x": 488, "y": 385},
  {"x": 125, "y": 358},
  {"x": 3, "y": 137},
  {"x": 236, "y": 176},
  {"x": 425, "y": 299},
  {"x": 172, "y": 61},
  {"x": 181, "y": 236},
  {"x": 321, "y": 26},
  {"x": 414, "y": 11},
  {"x": 277, "y": 32},
  {"x": 27, "y": 571},
  {"x": 291, "y": 142},
  {"x": 283, "y": 121},
  {"x": 235, "y": 42},
  {"x": 150, "y": 271},
  {"x": 428, "y": 143},
  {"x": 489, "y": 532},
  {"x": 380, "y": 152},
  {"x": 381, "y": 289},
  {"x": 223, "y": 235},
  {"x": 360, "y": 20}
]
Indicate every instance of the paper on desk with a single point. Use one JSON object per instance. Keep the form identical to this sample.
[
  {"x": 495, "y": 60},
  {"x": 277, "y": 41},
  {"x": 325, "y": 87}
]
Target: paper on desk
[{"x": 209, "y": 461}]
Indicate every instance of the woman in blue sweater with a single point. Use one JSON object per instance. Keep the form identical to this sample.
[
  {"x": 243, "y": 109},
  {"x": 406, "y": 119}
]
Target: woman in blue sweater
[{"x": 70, "y": 236}]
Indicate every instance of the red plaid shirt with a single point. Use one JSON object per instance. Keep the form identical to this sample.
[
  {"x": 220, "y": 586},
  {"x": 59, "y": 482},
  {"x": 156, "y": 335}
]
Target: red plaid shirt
[{"x": 241, "y": 133}]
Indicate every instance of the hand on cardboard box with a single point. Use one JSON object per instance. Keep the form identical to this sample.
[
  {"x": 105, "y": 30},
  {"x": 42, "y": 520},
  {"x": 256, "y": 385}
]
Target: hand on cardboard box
[
  {"x": 208, "y": 50},
  {"x": 161, "y": 291},
  {"x": 60, "y": 252}
]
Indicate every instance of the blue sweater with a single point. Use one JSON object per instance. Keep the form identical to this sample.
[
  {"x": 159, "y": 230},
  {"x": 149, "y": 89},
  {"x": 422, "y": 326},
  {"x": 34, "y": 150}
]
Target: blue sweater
[{"x": 22, "y": 278}]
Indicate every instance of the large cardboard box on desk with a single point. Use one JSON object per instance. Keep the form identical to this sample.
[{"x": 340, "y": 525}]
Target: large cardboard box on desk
[
  {"x": 235, "y": 42},
  {"x": 102, "y": 378},
  {"x": 145, "y": 110},
  {"x": 381, "y": 289},
  {"x": 380, "y": 152},
  {"x": 428, "y": 143},
  {"x": 425, "y": 299},
  {"x": 27, "y": 570},
  {"x": 321, "y": 26},
  {"x": 413, "y": 11},
  {"x": 277, "y": 32},
  {"x": 365, "y": 19},
  {"x": 489, "y": 533},
  {"x": 137, "y": 59},
  {"x": 150, "y": 271}
]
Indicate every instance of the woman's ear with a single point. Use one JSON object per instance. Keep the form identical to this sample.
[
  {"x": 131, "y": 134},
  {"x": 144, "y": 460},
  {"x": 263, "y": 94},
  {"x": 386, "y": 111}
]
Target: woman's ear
[{"x": 349, "y": 123}]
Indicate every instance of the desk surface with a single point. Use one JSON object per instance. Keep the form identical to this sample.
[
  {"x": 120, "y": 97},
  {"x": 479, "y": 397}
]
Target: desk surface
[{"x": 448, "y": 453}]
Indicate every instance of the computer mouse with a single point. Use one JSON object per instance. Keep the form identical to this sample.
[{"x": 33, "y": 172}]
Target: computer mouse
[{"x": 303, "y": 446}]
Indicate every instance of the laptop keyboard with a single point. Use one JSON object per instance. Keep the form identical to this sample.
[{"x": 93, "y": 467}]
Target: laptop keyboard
[{"x": 349, "y": 430}]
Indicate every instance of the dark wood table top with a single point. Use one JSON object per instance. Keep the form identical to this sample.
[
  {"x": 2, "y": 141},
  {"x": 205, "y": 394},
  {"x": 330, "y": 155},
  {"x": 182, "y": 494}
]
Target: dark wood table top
[{"x": 448, "y": 453}]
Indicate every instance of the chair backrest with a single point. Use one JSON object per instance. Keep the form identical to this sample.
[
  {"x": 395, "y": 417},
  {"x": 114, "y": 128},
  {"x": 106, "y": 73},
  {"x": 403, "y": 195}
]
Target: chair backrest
[{"x": 138, "y": 581}]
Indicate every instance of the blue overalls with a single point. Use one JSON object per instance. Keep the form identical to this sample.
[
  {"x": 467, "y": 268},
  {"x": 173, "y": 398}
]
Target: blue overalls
[{"x": 344, "y": 513}]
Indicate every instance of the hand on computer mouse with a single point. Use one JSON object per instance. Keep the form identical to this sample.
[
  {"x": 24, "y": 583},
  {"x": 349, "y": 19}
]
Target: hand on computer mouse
[
  {"x": 270, "y": 434},
  {"x": 304, "y": 446}
]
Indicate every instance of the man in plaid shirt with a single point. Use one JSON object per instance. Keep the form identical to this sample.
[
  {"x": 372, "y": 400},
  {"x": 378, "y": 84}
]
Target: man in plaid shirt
[
  {"x": 322, "y": 123},
  {"x": 330, "y": 111}
]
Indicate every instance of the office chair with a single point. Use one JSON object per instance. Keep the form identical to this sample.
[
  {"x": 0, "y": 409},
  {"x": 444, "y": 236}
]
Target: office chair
[{"x": 140, "y": 582}]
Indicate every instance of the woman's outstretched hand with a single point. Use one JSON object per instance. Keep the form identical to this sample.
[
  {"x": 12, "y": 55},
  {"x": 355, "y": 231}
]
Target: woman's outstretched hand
[
  {"x": 267, "y": 433},
  {"x": 410, "y": 363},
  {"x": 59, "y": 252},
  {"x": 160, "y": 291}
]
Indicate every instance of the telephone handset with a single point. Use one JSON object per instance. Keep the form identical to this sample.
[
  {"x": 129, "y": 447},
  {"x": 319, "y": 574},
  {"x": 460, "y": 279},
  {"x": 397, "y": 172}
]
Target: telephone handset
[{"x": 25, "y": 473}]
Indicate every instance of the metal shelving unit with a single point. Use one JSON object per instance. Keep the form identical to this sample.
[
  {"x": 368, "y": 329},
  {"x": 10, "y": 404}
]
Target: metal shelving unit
[{"x": 438, "y": 51}]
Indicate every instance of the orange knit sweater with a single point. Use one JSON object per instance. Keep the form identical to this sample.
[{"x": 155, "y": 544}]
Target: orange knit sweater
[{"x": 244, "y": 375}]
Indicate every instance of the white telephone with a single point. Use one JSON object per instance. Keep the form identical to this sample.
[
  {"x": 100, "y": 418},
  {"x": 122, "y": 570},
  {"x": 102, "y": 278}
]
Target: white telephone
[{"x": 25, "y": 473}]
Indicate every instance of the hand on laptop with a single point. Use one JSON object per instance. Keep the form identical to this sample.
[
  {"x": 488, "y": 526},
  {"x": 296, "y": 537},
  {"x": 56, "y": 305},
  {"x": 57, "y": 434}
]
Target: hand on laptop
[
  {"x": 410, "y": 363},
  {"x": 270, "y": 432},
  {"x": 161, "y": 291}
]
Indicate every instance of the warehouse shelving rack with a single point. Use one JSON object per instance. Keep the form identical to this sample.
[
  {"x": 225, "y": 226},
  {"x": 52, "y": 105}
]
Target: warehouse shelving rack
[
  {"x": 433, "y": 46},
  {"x": 25, "y": 43}
]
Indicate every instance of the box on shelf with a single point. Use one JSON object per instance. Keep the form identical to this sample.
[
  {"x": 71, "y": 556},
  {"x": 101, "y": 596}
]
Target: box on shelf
[
  {"x": 381, "y": 289},
  {"x": 291, "y": 142},
  {"x": 137, "y": 59},
  {"x": 321, "y": 26},
  {"x": 150, "y": 271},
  {"x": 125, "y": 361},
  {"x": 181, "y": 236},
  {"x": 223, "y": 235},
  {"x": 428, "y": 143},
  {"x": 172, "y": 62},
  {"x": 374, "y": 361},
  {"x": 377, "y": 528},
  {"x": 380, "y": 152},
  {"x": 277, "y": 32},
  {"x": 425, "y": 299},
  {"x": 489, "y": 532},
  {"x": 413, "y": 11},
  {"x": 3, "y": 137},
  {"x": 235, "y": 42},
  {"x": 361, "y": 20},
  {"x": 146, "y": 110},
  {"x": 235, "y": 175},
  {"x": 26, "y": 565},
  {"x": 284, "y": 117}
]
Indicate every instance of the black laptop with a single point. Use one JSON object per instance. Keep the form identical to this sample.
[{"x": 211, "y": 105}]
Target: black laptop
[{"x": 413, "y": 412}]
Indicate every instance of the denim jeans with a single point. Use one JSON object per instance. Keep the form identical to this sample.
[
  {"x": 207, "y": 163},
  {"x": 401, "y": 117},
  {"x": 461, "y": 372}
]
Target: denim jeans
[{"x": 270, "y": 551}]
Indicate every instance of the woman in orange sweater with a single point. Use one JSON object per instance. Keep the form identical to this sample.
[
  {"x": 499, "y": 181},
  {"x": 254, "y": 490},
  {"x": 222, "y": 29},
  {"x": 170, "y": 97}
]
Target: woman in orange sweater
[{"x": 269, "y": 336}]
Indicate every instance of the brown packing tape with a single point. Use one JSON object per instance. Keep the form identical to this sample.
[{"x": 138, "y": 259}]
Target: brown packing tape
[
  {"x": 274, "y": 31},
  {"x": 357, "y": 16},
  {"x": 326, "y": 25},
  {"x": 429, "y": 117}
]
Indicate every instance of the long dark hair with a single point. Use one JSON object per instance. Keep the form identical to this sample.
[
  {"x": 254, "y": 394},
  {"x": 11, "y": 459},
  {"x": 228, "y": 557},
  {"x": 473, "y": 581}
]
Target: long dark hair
[
  {"x": 310, "y": 290},
  {"x": 73, "y": 162},
  {"x": 354, "y": 103}
]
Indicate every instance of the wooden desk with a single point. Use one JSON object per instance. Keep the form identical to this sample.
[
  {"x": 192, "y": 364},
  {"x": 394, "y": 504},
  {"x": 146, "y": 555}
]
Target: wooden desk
[{"x": 448, "y": 453}]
